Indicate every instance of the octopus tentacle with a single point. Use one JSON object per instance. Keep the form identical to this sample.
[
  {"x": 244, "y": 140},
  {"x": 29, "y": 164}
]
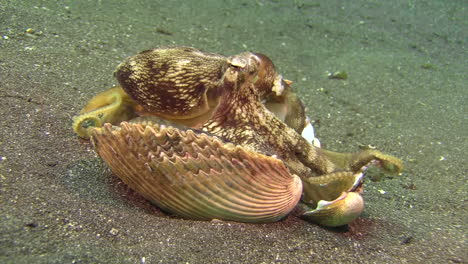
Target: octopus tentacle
[{"x": 111, "y": 106}]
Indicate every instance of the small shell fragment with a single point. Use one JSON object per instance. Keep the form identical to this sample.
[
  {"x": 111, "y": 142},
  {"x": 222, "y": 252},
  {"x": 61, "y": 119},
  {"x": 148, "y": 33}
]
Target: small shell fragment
[{"x": 346, "y": 208}]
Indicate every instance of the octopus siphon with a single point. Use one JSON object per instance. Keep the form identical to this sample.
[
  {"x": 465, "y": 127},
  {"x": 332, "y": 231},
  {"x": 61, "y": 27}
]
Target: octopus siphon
[{"x": 205, "y": 136}]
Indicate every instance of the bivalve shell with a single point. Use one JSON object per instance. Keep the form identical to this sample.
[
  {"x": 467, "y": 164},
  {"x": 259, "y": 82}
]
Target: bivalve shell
[{"x": 196, "y": 175}]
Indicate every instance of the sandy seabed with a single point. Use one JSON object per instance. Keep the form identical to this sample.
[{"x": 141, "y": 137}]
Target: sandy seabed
[{"x": 406, "y": 93}]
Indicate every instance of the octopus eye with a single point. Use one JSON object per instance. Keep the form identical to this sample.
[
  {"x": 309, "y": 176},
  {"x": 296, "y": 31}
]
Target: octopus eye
[
  {"x": 237, "y": 62},
  {"x": 234, "y": 66}
]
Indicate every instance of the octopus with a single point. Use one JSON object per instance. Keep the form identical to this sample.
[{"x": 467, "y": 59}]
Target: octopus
[{"x": 205, "y": 136}]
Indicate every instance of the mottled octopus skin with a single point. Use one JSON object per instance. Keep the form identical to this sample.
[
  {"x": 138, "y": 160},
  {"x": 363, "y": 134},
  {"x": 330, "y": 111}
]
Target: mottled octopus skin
[
  {"x": 231, "y": 98},
  {"x": 171, "y": 83}
]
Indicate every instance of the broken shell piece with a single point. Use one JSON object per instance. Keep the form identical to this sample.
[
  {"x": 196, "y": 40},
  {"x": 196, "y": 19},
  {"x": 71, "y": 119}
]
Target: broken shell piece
[
  {"x": 335, "y": 198},
  {"x": 309, "y": 134},
  {"x": 339, "y": 212},
  {"x": 198, "y": 176}
]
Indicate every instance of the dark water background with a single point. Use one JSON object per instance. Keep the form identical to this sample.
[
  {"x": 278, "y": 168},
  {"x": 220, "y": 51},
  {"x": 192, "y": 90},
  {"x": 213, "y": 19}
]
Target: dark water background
[{"x": 406, "y": 93}]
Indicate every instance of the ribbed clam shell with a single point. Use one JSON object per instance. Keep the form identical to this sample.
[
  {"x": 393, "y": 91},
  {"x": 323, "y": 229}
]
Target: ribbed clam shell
[{"x": 198, "y": 176}]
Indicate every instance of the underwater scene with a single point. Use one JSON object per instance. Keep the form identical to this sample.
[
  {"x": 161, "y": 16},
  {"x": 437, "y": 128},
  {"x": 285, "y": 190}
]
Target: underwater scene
[{"x": 233, "y": 131}]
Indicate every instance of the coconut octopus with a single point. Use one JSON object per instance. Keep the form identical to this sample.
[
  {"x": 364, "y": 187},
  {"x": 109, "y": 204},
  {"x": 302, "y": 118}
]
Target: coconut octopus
[{"x": 204, "y": 136}]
